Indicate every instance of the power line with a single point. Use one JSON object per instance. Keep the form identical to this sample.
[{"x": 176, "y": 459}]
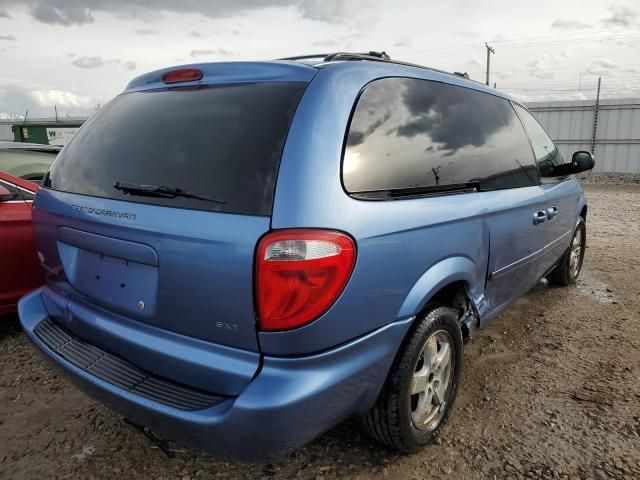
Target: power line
[
  {"x": 445, "y": 52},
  {"x": 554, "y": 82},
  {"x": 577, "y": 36},
  {"x": 620, "y": 65}
]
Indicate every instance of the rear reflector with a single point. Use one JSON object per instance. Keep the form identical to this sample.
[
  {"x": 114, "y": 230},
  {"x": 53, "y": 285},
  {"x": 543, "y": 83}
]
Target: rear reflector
[
  {"x": 300, "y": 274},
  {"x": 182, "y": 75}
]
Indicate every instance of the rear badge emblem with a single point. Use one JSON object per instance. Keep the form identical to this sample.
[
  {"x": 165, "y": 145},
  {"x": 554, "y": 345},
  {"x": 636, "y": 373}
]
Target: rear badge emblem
[{"x": 141, "y": 305}]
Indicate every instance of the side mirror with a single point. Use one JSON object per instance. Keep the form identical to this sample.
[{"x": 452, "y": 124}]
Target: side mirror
[
  {"x": 582, "y": 161},
  {"x": 6, "y": 195}
]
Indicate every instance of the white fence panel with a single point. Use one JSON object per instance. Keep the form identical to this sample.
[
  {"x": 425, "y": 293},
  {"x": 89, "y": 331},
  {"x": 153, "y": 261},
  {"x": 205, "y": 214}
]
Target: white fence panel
[{"x": 617, "y": 136}]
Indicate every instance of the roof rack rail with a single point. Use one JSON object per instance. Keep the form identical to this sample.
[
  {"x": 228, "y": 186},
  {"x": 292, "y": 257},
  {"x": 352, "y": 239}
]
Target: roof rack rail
[
  {"x": 327, "y": 57},
  {"x": 307, "y": 57},
  {"x": 357, "y": 56},
  {"x": 375, "y": 56}
]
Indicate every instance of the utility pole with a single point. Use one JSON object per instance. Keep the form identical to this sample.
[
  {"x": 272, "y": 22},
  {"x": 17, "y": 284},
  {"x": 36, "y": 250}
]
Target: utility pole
[
  {"x": 595, "y": 118},
  {"x": 490, "y": 50},
  {"x": 580, "y": 85},
  {"x": 55, "y": 109}
]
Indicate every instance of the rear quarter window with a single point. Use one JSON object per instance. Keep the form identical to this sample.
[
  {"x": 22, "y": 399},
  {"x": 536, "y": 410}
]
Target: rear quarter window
[
  {"x": 222, "y": 142},
  {"x": 411, "y": 136}
]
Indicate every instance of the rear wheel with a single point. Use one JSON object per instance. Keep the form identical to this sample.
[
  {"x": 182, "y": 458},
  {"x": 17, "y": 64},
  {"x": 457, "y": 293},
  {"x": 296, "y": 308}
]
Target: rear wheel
[
  {"x": 567, "y": 271},
  {"x": 419, "y": 393}
]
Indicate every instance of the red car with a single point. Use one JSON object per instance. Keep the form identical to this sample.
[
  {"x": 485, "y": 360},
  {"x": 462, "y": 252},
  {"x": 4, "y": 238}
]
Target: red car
[{"x": 20, "y": 271}]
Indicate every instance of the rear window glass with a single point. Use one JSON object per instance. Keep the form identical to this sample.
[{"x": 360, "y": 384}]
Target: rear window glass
[
  {"x": 222, "y": 142},
  {"x": 418, "y": 136}
]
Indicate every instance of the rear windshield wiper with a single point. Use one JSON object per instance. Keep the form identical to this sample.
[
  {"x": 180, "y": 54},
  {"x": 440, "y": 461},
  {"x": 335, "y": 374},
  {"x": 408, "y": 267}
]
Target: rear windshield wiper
[{"x": 160, "y": 191}]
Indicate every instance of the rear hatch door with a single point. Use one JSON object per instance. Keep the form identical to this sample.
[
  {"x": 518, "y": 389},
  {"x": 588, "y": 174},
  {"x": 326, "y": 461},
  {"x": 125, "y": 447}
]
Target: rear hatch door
[{"x": 182, "y": 262}]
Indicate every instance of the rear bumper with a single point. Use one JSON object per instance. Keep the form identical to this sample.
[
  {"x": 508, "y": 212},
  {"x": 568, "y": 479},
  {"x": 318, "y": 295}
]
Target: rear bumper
[{"x": 288, "y": 403}]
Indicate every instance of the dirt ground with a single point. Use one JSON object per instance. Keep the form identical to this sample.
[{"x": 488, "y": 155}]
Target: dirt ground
[{"x": 551, "y": 389}]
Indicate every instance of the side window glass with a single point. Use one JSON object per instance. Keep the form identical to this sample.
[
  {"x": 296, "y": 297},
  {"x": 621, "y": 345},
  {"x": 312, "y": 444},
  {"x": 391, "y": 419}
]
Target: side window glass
[
  {"x": 11, "y": 188},
  {"x": 546, "y": 153},
  {"x": 26, "y": 195},
  {"x": 410, "y": 136}
]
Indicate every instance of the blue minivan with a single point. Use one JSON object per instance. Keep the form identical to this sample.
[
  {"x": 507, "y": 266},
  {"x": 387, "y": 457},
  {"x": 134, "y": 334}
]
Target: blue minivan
[{"x": 241, "y": 255}]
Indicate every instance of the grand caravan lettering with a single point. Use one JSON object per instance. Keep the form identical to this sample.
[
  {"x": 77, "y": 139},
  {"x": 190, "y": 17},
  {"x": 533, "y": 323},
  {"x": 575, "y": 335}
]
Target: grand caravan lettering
[{"x": 104, "y": 213}]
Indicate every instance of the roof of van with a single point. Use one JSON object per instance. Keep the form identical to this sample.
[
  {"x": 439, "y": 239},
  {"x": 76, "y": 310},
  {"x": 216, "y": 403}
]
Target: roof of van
[{"x": 304, "y": 68}]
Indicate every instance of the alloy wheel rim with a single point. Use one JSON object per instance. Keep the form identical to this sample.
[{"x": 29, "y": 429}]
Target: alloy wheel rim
[
  {"x": 575, "y": 254},
  {"x": 431, "y": 381}
]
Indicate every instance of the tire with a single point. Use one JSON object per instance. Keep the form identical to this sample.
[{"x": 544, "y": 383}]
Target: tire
[
  {"x": 567, "y": 272},
  {"x": 401, "y": 420}
]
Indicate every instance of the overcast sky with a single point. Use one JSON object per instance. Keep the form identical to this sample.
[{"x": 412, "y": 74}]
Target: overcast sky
[{"x": 79, "y": 54}]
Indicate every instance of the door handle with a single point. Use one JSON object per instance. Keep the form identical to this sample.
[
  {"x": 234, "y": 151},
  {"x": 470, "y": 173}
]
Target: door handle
[
  {"x": 552, "y": 212},
  {"x": 539, "y": 217}
]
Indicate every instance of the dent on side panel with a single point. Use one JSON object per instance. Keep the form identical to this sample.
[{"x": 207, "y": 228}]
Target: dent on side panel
[
  {"x": 445, "y": 272},
  {"x": 406, "y": 252},
  {"x": 582, "y": 199}
]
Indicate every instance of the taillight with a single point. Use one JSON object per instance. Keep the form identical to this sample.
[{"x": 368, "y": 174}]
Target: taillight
[
  {"x": 182, "y": 75},
  {"x": 299, "y": 274}
]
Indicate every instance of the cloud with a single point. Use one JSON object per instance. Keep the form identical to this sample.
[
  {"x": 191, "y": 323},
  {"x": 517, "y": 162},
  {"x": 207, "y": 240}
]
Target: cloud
[
  {"x": 621, "y": 17},
  {"x": 211, "y": 52},
  {"x": 62, "y": 98},
  {"x": 146, "y": 31},
  {"x": 504, "y": 75},
  {"x": 64, "y": 15},
  {"x": 542, "y": 68},
  {"x": 541, "y": 74},
  {"x": 405, "y": 41},
  {"x": 15, "y": 99},
  {"x": 601, "y": 66},
  {"x": 570, "y": 25},
  {"x": 80, "y": 12},
  {"x": 195, "y": 34},
  {"x": 603, "y": 62},
  {"x": 9, "y": 38},
  {"x": 466, "y": 34},
  {"x": 596, "y": 71},
  {"x": 539, "y": 68},
  {"x": 338, "y": 43},
  {"x": 4, "y": 14},
  {"x": 502, "y": 38},
  {"x": 337, "y": 11},
  {"x": 98, "y": 62},
  {"x": 88, "y": 62},
  {"x": 327, "y": 42}
]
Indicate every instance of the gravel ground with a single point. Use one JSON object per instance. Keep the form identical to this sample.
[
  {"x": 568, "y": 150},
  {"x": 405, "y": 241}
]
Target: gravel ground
[
  {"x": 609, "y": 178},
  {"x": 550, "y": 389}
]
